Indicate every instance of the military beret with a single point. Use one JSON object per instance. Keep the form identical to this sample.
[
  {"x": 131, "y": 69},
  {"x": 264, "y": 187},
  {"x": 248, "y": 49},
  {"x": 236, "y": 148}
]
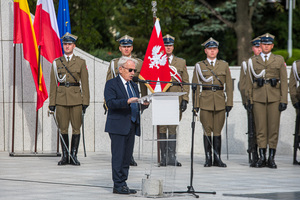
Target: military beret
[
  {"x": 69, "y": 38},
  {"x": 256, "y": 42},
  {"x": 168, "y": 39},
  {"x": 267, "y": 38},
  {"x": 210, "y": 43},
  {"x": 126, "y": 40}
]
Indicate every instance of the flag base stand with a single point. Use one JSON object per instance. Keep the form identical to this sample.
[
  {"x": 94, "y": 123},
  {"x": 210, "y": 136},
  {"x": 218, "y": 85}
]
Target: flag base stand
[{"x": 35, "y": 154}]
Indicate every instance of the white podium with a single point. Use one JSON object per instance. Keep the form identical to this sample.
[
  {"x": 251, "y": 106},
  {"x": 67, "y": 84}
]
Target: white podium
[
  {"x": 165, "y": 111},
  {"x": 165, "y": 107}
]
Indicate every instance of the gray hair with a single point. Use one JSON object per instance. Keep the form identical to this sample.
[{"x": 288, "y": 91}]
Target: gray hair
[{"x": 123, "y": 60}]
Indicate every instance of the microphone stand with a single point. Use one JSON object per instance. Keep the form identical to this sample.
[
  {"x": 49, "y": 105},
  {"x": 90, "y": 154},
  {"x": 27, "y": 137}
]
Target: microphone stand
[{"x": 190, "y": 188}]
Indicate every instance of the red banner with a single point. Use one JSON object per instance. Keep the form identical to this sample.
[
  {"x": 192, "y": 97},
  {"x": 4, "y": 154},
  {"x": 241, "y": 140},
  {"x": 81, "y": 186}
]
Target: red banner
[
  {"x": 156, "y": 66},
  {"x": 24, "y": 33}
]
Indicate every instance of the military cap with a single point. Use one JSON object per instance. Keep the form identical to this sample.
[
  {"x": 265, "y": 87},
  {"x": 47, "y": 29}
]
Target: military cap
[
  {"x": 69, "y": 38},
  {"x": 168, "y": 39},
  {"x": 267, "y": 38},
  {"x": 255, "y": 42},
  {"x": 126, "y": 40},
  {"x": 210, "y": 43}
]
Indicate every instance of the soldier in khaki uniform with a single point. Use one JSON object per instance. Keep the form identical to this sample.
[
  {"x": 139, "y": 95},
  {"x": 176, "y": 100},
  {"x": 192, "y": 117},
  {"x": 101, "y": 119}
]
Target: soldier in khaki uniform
[
  {"x": 179, "y": 74},
  {"x": 242, "y": 87},
  {"x": 267, "y": 89},
  {"x": 69, "y": 95},
  {"x": 126, "y": 47},
  {"x": 295, "y": 93},
  {"x": 212, "y": 101}
]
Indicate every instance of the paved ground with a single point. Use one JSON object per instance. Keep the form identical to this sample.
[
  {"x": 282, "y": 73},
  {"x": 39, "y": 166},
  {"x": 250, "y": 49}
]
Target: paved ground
[{"x": 40, "y": 178}]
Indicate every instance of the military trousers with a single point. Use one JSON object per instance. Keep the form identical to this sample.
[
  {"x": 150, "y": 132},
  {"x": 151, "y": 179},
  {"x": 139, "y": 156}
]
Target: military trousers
[
  {"x": 65, "y": 114},
  {"x": 212, "y": 121},
  {"x": 170, "y": 128},
  {"x": 267, "y": 119}
]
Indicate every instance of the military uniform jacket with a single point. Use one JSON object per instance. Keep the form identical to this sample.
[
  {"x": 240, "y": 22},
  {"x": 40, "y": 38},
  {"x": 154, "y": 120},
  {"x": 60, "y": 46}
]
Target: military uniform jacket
[
  {"x": 113, "y": 71},
  {"x": 180, "y": 65},
  {"x": 214, "y": 100},
  {"x": 293, "y": 86},
  {"x": 72, "y": 95},
  {"x": 275, "y": 68},
  {"x": 242, "y": 83}
]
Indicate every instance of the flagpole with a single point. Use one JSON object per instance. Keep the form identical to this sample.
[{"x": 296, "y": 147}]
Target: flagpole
[
  {"x": 154, "y": 9},
  {"x": 37, "y": 110},
  {"x": 14, "y": 102}
]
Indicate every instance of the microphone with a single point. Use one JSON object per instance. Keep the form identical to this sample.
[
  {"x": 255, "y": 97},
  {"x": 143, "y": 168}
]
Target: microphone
[{"x": 136, "y": 79}]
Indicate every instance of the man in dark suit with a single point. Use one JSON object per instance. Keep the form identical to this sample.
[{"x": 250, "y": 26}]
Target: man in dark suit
[{"x": 123, "y": 121}]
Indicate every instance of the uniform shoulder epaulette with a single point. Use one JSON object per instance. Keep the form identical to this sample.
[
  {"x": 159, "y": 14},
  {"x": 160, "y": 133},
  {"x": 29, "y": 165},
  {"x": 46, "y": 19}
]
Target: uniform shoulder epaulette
[
  {"x": 79, "y": 57},
  {"x": 113, "y": 60},
  {"x": 179, "y": 58},
  {"x": 56, "y": 59},
  {"x": 278, "y": 56},
  {"x": 138, "y": 59}
]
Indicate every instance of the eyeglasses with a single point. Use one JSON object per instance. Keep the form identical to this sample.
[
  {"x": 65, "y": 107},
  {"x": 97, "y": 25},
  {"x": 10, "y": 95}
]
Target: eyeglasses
[{"x": 130, "y": 70}]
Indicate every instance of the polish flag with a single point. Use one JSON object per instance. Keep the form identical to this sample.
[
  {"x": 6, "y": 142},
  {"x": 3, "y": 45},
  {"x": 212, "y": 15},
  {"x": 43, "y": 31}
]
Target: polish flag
[
  {"x": 46, "y": 30},
  {"x": 156, "y": 66}
]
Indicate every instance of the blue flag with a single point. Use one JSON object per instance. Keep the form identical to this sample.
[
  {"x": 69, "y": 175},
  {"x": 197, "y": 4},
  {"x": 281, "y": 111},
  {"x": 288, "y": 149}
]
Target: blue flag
[{"x": 63, "y": 18}]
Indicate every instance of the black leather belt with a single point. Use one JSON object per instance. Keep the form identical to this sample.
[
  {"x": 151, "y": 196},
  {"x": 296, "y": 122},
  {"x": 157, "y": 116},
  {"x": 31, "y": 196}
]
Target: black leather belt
[
  {"x": 68, "y": 84},
  {"x": 212, "y": 88}
]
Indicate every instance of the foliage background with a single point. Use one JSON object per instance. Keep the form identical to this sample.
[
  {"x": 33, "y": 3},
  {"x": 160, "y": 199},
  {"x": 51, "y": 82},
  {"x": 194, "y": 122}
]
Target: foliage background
[{"x": 99, "y": 23}]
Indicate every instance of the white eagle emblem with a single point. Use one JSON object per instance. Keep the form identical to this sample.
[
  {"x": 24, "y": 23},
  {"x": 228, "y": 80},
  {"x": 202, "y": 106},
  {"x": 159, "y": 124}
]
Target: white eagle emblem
[{"x": 157, "y": 57}]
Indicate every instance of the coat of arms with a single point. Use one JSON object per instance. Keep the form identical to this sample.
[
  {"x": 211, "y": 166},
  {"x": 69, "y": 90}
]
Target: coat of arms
[{"x": 157, "y": 57}]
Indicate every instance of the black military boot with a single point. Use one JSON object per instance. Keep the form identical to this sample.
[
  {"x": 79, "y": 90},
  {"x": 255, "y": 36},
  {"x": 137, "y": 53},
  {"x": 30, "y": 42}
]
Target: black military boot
[
  {"x": 132, "y": 161},
  {"x": 254, "y": 157},
  {"x": 271, "y": 160},
  {"x": 207, "y": 148},
  {"x": 172, "y": 152},
  {"x": 65, "y": 155},
  {"x": 74, "y": 149},
  {"x": 163, "y": 149},
  {"x": 262, "y": 158},
  {"x": 217, "y": 152}
]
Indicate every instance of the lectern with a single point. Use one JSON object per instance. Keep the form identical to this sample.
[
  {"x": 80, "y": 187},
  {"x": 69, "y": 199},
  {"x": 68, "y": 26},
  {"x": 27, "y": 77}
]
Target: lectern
[{"x": 165, "y": 111}]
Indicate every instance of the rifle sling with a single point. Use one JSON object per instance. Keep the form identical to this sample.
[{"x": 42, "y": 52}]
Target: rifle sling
[
  {"x": 68, "y": 70},
  {"x": 214, "y": 75}
]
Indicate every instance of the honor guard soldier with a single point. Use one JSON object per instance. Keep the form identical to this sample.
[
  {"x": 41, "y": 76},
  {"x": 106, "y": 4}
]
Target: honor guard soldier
[
  {"x": 295, "y": 97},
  {"x": 252, "y": 145},
  {"x": 126, "y": 47},
  {"x": 69, "y": 96},
  {"x": 179, "y": 74},
  {"x": 212, "y": 101},
  {"x": 267, "y": 88}
]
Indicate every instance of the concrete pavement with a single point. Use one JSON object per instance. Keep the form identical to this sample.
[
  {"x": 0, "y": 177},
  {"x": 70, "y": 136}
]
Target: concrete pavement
[{"x": 28, "y": 178}]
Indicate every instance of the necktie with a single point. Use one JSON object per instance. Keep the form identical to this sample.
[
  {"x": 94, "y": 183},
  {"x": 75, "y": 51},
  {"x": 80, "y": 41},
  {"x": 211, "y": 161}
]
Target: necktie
[
  {"x": 68, "y": 58},
  {"x": 133, "y": 106},
  {"x": 266, "y": 59},
  {"x": 212, "y": 63},
  {"x": 169, "y": 59}
]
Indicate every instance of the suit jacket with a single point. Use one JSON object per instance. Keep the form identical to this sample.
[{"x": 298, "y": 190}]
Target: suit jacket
[
  {"x": 114, "y": 63},
  {"x": 275, "y": 68},
  {"x": 214, "y": 100},
  {"x": 294, "y": 90},
  {"x": 73, "y": 95},
  {"x": 119, "y": 112}
]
